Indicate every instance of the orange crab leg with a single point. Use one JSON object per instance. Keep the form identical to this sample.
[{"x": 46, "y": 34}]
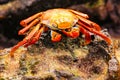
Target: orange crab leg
[
  {"x": 26, "y": 21},
  {"x": 25, "y": 40},
  {"x": 107, "y": 39},
  {"x": 16, "y": 47},
  {"x": 74, "y": 33},
  {"x": 79, "y": 14},
  {"x": 36, "y": 37},
  {"x": 87, "y": 35},
  {"x": 90, "y": 23},
  {"x": 22, "y": 31},
  {"x": 55, "y": 37}
]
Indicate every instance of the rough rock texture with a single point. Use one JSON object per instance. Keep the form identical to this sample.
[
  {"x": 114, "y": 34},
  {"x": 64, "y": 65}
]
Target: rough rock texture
[{"x": 66, "y": 60}]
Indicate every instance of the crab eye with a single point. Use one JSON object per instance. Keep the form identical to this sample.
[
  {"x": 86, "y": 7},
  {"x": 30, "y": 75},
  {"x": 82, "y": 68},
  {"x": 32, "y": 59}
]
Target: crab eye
[
  {"x": 68, "y": 30},
  {"x": 54, "y": 25}
]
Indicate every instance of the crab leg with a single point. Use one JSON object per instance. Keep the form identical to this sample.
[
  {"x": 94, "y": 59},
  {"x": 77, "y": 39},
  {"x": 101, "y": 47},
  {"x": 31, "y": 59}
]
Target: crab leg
[
  {"x": 22, "y": 31},
  {"x": 55, "y": 37},
  {"x": 107, "y": 39},
  {"x": 26, "y": 21},
  {"x": 36, "y": 37},
  {"x": 79, "y": 14},
  {"x": 90, "y": 23},
  {"x": 25, "y": 40},
  {"x": 74, "y": 33},
  {"x": 87, "y": 35}
]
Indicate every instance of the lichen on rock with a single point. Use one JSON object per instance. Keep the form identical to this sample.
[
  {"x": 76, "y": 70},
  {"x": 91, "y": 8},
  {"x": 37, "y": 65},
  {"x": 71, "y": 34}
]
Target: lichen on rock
[{"x": 69, "y": 59}]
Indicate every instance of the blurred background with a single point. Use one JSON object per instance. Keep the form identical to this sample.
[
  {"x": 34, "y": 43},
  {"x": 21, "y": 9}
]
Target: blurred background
[{"x": 106, "y": 13}]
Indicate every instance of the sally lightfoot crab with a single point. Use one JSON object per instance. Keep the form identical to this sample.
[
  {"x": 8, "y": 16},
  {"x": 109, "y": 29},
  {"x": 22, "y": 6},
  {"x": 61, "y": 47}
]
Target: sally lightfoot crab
[{"x": 66, "y": 21}]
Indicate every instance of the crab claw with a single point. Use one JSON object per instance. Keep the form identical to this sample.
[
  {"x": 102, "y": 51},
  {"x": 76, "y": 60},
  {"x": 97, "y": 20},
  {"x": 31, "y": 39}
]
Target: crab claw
[
  {"x": 87, "y": 35},
  {"x": 55, "y": 37},
  {"x": 73, "y": 33}
]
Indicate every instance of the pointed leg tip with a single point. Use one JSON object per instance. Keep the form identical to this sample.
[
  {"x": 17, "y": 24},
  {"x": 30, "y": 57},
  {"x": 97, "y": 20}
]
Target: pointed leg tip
[
  {"x": 109, "y": 42},
  {"x": 20, "y": 33},
  {"x": 22, "y": 23},
  {"x": 12, "y": 54}
]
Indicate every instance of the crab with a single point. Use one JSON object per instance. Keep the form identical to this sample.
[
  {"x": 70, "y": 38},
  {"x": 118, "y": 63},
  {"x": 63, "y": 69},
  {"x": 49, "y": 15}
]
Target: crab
[{"x": 59, "y": 22}]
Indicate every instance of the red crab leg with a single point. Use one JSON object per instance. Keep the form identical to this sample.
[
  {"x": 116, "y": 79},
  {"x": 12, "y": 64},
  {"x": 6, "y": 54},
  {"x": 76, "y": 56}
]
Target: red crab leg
[
  {"x": 87, "y": 35},
  {"x": 36, "y": 37},
  {"x": 26, "y": 21},
  {"x": 55, "y": 37},
  {"x": 80, "y": 14},
  {"x": 22, "y": 31},
  {"x": 25, "y": 40},
  {"x": 90, "y": 23},
  {"x": 74, "y": 33},
  {"x": 107, "y": 39}
]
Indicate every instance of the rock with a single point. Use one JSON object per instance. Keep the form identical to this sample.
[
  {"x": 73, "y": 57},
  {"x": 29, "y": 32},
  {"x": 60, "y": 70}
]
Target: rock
[{"x": 58, "y": 61}]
